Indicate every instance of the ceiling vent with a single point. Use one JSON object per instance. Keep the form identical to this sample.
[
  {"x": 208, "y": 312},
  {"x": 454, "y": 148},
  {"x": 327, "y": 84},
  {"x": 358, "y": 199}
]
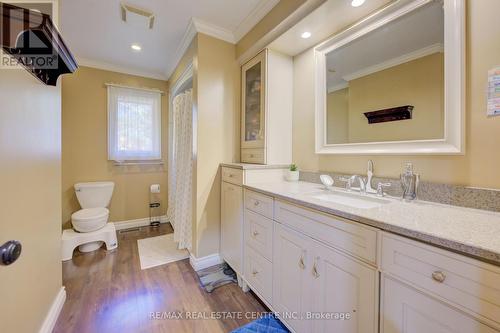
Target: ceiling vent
[{"x": 137, "y": 16}]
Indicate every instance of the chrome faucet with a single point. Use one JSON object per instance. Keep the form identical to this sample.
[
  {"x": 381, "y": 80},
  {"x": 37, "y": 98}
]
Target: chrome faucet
[{"x": 350, "y": 181}]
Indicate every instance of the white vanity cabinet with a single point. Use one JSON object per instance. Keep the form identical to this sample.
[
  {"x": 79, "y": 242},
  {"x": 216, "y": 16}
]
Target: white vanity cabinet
[
  {"x": 322, "y": 273},
  {"x": 233, "y": 177},
  {"x": 428, "y": 289},
  {"x": 232, "y": 225},
  {"x": 328, "y": 290},
  {"x": 266, "y": 109},
  {"x": 405, "y": 309}
]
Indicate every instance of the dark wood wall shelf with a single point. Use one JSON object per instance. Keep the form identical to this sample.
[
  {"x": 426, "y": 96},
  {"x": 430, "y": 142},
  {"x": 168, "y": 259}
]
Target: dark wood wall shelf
[
  {"x": 31, "y": 38},
  {"x": 392, "y": 114}
]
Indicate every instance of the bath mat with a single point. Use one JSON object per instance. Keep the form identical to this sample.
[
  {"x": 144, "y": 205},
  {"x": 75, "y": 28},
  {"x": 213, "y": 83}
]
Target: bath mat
[
  {"x": 267, "y": 324},
  {"x": 216, "y": 276},
  {"x": 159, "y": 250}
]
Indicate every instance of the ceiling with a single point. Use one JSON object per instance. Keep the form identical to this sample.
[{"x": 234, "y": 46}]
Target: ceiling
[
  {"x": 329, "y": 18},
  {"x": 414, "y": 35},
  {"x": 97, "y": 36}
]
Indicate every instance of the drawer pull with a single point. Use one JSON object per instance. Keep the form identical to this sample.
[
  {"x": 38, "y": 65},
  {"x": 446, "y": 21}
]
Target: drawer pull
[
  {"x": 256, "y": 203},
  {"x": 438, "y": 276},
  {"x": 302, "y": 265},
  {"x": 315, "y": 272},
  {"x": 230, "y": 175},
  {"x": 255, "y": 233},
  {"x": 255, "y": 272},
  {"x": 251, "y": 156}
]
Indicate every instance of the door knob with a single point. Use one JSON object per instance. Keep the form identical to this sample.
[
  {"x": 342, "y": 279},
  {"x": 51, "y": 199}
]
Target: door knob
[{"x": 10, "y": 252}]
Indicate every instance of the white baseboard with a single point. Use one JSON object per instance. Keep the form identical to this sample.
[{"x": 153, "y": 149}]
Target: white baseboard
[
  {"x": 204, "y": 262},
  {"x": 55, "y": 309},
  {"x": 120, "y": 225}
]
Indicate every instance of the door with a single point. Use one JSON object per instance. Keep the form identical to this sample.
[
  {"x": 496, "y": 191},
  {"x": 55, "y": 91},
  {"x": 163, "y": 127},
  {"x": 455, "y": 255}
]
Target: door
[
  {"x": 30, "y": 199},
  {"x": 253, "y": 77},
  {"x": 291, "y": 278},
  {"x": 344, "y": 293},
  {"x": 404, "y": 309},
  {"x": 232, "y": 225}
]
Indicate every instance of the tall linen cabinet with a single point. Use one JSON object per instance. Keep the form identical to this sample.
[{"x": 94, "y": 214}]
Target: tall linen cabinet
[{"x": 266, "y": 109}]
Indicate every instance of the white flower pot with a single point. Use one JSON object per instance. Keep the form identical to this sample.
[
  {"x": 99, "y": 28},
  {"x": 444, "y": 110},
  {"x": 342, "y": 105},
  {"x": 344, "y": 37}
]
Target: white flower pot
[{"x": 292, "y": 176}]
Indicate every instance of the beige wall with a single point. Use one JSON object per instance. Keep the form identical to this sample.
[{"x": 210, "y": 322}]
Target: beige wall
[
  {"x": 216, "y": 109},
  {"x": 218, "y": 137},
  {"x": 30, "y": 210},
  {"x": 478, "y": 167},
  {"x": 84, "y": 145},
  {"x": 419, "y": 83},
  {"x": 337, "y": 116}
]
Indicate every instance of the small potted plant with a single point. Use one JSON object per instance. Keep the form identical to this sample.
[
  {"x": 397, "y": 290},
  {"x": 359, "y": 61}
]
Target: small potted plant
[{"x": 293, "y": 173}]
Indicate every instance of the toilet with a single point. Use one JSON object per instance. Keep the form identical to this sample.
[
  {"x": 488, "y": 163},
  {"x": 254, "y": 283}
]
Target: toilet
[{"x": 90, "y": 224}]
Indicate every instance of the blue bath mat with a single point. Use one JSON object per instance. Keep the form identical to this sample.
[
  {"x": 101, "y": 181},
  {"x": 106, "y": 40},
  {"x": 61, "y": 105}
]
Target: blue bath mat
[{"x": 266, "y": 324}]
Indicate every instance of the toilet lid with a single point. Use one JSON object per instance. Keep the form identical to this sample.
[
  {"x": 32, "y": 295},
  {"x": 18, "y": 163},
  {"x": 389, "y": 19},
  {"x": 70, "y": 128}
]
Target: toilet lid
[{"x": 90, "y": 213}]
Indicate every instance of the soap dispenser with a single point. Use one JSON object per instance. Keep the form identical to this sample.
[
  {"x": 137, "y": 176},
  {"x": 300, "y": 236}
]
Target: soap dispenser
[{"x": 409, "y": 183}]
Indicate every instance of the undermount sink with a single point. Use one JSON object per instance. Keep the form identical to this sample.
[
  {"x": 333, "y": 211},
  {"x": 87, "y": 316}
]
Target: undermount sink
[{"x": 351, "y": 199}]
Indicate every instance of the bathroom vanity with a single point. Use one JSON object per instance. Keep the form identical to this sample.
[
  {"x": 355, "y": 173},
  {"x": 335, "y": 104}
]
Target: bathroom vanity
[{"x": 326, "y": 266}]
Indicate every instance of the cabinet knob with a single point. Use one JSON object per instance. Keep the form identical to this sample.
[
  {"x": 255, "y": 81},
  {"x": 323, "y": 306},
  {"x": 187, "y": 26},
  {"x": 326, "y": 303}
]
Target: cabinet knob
[
  {"x": 251, "y": 156},
  {"x": 255, "y": 233},
  {"x": 230, "y": 176},
  {"x": 255, "y": 272},
  {"x": 439, "y": 276},
  {"x": 256, "y": 203}
]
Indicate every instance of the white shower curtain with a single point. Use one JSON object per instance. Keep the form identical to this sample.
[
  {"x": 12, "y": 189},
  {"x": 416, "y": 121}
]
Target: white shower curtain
[{"x": 180, "y": 170}]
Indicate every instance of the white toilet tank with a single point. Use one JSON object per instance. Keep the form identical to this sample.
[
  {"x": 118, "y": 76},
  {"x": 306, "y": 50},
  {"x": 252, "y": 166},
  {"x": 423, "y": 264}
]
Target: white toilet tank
[{"x": 94, "y": 194}]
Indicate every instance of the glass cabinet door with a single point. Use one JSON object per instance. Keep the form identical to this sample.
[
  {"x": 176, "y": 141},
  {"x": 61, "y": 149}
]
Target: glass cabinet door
[{"x": 253, "y": 127}]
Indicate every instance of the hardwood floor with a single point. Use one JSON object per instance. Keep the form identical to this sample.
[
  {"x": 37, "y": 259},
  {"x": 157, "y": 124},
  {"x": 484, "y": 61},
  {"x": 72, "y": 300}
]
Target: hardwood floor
[{"x": 108, "y": 292}]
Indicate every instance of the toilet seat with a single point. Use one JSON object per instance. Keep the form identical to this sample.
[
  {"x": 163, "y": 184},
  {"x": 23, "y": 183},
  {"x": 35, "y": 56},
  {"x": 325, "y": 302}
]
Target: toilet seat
[{"x": 90, "y": 219}]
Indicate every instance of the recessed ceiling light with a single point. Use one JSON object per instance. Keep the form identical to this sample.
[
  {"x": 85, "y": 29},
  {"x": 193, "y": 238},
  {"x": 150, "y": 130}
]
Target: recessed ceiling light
[
  {"x": 305, "y": 34},
  {"x": 136, "y": 47},
  {"x": 357, "y": 3}
]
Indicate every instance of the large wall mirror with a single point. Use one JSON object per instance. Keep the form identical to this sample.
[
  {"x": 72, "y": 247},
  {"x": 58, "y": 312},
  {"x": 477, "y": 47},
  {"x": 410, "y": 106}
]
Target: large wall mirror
[{"x": 393, "y": 83}]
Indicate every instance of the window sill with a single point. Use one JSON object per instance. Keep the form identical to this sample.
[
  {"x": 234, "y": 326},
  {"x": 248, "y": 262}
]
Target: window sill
[{"x": 126, "y": 163}]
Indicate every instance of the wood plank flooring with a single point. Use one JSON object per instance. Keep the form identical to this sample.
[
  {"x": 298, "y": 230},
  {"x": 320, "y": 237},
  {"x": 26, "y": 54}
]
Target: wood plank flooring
[{"x": 108, "y": 292}]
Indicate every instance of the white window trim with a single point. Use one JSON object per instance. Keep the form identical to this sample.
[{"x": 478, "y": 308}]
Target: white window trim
[{"x": 133, "y": 160}]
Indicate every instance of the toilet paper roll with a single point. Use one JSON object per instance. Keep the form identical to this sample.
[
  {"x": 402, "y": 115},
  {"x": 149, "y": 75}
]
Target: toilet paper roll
[{"x": 155, "y": 188}]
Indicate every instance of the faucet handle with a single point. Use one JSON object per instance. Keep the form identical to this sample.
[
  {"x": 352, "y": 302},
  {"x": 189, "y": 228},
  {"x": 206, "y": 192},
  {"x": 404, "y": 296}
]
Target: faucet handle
[
  {"x": 380, "y": 188},
  {"x": 348, "y": 182}
]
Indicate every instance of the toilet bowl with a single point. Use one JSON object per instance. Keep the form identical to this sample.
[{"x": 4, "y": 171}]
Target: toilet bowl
[
  {"x": 93, "y": 197},
  {"x": 90, "y": 219}
]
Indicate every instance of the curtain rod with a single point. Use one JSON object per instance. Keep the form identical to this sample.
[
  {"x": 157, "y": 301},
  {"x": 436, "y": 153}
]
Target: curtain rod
[{"x": 136, "y": 88}]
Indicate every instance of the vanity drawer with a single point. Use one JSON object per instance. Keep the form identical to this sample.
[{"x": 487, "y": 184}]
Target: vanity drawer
[
  {"x": 259, "y": 233},
  {"x": 467, "y": 283},
  {"x": 253, "y": 155},
  {"x": 351, "y": 237},
  {"x": 258, "y": 274},
  {"x": 233, "y": 176},
  {"x": 259, "y": 203}
]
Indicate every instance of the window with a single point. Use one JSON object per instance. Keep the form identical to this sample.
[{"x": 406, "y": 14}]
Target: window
[{"x": 134, "y": 124}]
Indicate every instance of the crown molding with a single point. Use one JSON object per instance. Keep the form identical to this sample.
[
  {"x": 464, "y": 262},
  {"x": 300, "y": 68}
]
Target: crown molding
[
  {"x": 257, "y": 14},
  {"x": 213, "y": 30},
  {"x": 117, "y": 68}
]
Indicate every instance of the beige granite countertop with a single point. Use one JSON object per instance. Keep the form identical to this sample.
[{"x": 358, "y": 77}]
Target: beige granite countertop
[
  {"x": 468, "y": 231},
  {"x": 248, "y": 166}
]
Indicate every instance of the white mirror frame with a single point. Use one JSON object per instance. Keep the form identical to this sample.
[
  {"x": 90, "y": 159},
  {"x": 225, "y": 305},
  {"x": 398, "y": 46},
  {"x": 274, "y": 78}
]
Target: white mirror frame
[{"x": 453, "y": 142}]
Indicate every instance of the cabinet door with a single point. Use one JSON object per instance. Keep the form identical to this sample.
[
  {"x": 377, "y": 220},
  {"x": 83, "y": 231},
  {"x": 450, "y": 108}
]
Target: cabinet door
[
  {"x": 345, "y": 292},
  {"x": 291, "y": 284},
  {"x": 405, "y": 309},
  {"x": 253, "y": 102},
  {"x": 232, "y": 225}
]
